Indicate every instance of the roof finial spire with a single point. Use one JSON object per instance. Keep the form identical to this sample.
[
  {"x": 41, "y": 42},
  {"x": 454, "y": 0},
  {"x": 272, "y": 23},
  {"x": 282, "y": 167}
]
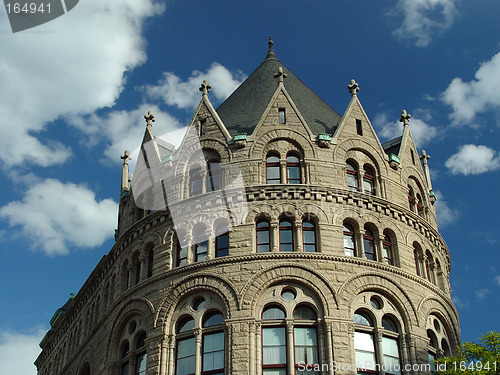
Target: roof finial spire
[
  {"x": 150, "y": 118},
  {"x": 205, "y": 87},
  {"x": 270, "y": 53},
  {"x": 280, "y": 75},
  {"x": 353, "y": 87},
  {"x": 405, "y": 118}
]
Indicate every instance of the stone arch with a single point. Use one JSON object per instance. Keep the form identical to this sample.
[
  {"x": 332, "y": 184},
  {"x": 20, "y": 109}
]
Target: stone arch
[
  {"x": 396, "y": 229},
  {"x": 414, "y": 236},
  {"x": 263, "y": 209},
  {"x": 373, "y": 281},
  {"x": 446, "y": 312},
  {"x": 134, "y": 306},
  {"x": 222, "y": 287},
  {"x": 411, "y": 171},
  {"x": 313, "y": 209},
  {"x": 153, "y": 237},
  {"x": 85, "y": 361},
  {"x": 379, "y": 159},
  {"x": 289, "y": 135},
  {"x": 219, "y": 147},
  {"x": 293, "y": 272},
  {"x": 346, "y": 214}
]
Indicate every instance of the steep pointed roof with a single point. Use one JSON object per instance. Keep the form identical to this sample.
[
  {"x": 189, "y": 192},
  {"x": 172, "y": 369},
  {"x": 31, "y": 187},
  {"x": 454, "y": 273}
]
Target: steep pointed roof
[
  {"x": 393, "y": 146},
  {"x": 241, "y": 112}
]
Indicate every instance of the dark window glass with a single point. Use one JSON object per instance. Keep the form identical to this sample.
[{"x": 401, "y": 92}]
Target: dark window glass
[
  {"x": 369, "y": 245},
  {"x": 359, "y": 127},
  {"x": 387, "y": 250},
  {"x": 309, "y": 236},
  {"x": 352, "y": 177},
  {"x": 263, "y": 237},
  {"x": 292, "y": 170},
  {"x": 273, "y": 170},
  {"x": 304, "y": 312},
  {"x": 281, "y": 114},
  {"x": 213, "y": 169},
  {"x": 195, "y": 181},
  {"x": 222, "y": 245},
  {"x": 286, "y": 236},
  {"x": 349, "y": 241},
  {"x": 368, "y": 180},
  {"x": 182, "y": 254}
]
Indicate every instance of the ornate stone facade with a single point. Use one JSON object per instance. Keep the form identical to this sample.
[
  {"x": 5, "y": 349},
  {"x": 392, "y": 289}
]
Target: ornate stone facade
[{"x": 338, "y": 257}]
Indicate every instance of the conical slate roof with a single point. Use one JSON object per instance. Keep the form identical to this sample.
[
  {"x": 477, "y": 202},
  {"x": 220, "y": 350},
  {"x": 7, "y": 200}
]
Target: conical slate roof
[{"x": 241, "y": 112}]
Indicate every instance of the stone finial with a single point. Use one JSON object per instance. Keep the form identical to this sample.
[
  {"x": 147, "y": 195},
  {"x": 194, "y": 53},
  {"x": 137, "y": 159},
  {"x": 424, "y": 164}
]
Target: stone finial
[
  {"x": 353, "y": 87},
  {"x": 280, "y": 75},
  {"x": 126, "y": 157},
  {"x": 205, "y": 87},
  {"x": 270, "y": 53},
  {"x": 405, "y": 118},
  {"x": 150, "y": 118},
  {"x": 424, "y": 157}
]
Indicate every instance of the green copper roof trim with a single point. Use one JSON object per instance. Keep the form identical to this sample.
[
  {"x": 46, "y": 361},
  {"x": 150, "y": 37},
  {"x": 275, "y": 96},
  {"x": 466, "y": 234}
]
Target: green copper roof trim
[
  {"x": 124, "y": 194},
  {"x": 167, "y": 158},
  {"x": 56, "y": 316},
  {"x": 324, "y": 137},
  {"x": 393, "y": 157},
  {"x": 240, "y": 137},
  {"x": 432, "y": 194}
]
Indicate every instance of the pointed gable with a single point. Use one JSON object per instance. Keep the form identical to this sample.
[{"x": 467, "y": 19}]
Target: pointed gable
[{"x": 243, "y": 110}]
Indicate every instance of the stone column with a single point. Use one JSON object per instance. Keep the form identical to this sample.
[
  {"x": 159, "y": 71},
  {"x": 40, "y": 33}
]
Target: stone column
[
  {"x": 283, "y": 171},
  {"x": 360, "y": 243},
  {"x": 210, "y": 244},
  {"x": 329, "y": 346},
  {"x": 197, "y": 335},
  {"x": 289, "y": 347},
  {"x": 252, "y": 348},
  {"x": 379, "y": 349},
  {"x": 380, "y": 249},
  {"x": 298, "y": 236},
  {"x": 275, "y": 237},
  {"x": 143, "y": 268},
  {"x": 171, "y": 355},
  {"x": 190, "y": 249},
  {"x": 258, "y": 347}
]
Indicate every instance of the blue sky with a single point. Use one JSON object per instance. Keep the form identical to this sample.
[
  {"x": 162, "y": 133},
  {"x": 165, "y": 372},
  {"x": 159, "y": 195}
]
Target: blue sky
[{"x": 74, "y": 91}]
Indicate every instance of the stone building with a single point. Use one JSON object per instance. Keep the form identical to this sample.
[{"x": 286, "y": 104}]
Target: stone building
[{"x": 331, "y": 256}]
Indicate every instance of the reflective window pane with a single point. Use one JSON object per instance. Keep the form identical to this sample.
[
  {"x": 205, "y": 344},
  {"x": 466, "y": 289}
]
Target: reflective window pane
[
  {"x": 186, "y": 356},
  {"x": 213, "y": 351},
  {"x": 273, "y": 345},
  {"x": 271, "y": 313}
]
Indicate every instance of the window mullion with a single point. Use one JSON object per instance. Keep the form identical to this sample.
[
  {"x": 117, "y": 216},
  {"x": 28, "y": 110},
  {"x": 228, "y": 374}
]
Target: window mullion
[
  {"x": 290, "y": 348},
  {"x": 198, "y": 339}
]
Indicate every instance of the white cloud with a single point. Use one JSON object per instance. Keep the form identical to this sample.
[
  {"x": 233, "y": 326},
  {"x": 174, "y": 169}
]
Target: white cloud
[
  {"x": 123, "y": 130},
  {"x": 421, "y": 131},
  {"x": 185, "y": 94},
  {"x": 73, "y": 64},
  {"x": 497, "y": 280},
  {"x": 54, "y": 216},
  {"x": 470, "y": 98},
  {"x": 423, "y": 19},
  {"x": 472, "y": 159},
  {"x": 457, "y": 301},
  {"x": 19, "y": 351},
  {"x": 445, "y": 214},
  {"x": 481, "y": 293}
]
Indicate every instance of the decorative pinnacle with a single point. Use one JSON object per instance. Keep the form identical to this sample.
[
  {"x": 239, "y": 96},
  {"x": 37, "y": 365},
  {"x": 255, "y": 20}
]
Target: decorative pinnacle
[
  {"x": 205, "y": 87},
  {"x": 280, "y": 75},
  {"x": 126, "y": 157},
  {"x": 424, "y": 157},
  {"x": 405, "y": 118},
  {"x": 150, "y": 118},
  {"x": 270, "y": 53},
  {"x": 353, "y": 87}
]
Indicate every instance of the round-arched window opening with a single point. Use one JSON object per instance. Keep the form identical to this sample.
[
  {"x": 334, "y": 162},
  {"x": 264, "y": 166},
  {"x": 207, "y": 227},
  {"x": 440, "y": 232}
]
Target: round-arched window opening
[
  {"x": 199, "y": 304},
  {"x": 437, "y": 326},
  {"x": 432, "y": 339},
  {"x": 125, "y": 349},
  {"x": 132, "y": 326},
  {"x": 376, "y": 302},
  {"x": 141, "y": 340},
  {"x": 185, "y": 325},
  {"x": 446, "y": 348},
  {"x": 304, "y": 312},
  {"x": 213, "y": 319},
  {"x": 362, "y": 318},
  {"x": 273, "y": 313},
  {"x": 288, "y": 294},
  {"x": 389, "y": 324}
]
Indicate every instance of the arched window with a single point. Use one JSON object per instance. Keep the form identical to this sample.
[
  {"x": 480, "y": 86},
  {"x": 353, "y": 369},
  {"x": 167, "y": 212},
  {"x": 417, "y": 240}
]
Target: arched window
[
  {"x": 349, "y": 241},
  {"x": 125, "y": 280},
  {"x": 387, "y": 249},
  {"x": 352, "y": 176},
  {"x": 195, "y": 181},
  {"x": 140, "y": 355},
  {"x": 201, "y": 245},
  {"x": 411, "y": 199},
  {"x": 420, "y": 205},
  {"x": 211, "y": 358},
  {"x": 151, "y": 260},
  {"x": 429, "y": 267},
  {"x": 417, "y": 255},
  {"x": 263, "y": 236},
  {"x": 309, "y": 236},
  {"x": 438, "y": 340},
  {"x": 137, "y": 268},
  {"x": 292, "y": 169},
  {"x": 369, "y": 245},
  {"x": 275, "y": 341},
  {"x": 368, "y": 180},
  {"x": 222, "y": 245},
  {"x": 273, "y": 169},
  {"x": 181, "y": 251},
  {"x": 365, "y": 337},
  {"x": 286, "y": 235},
  {"x": 213, "y": 169}
]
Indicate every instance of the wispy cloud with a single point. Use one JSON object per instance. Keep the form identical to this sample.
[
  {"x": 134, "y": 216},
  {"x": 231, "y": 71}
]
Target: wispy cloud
[
  {"x": 75, "y": 64},
  {"x": 467, "y": 99},
  {"x": 472, "y": 159},
  {"x": 421, "y": 131},
  {"x": 54, "y": 215},
  {"x": 184, "y": 94},
  {"x": 497, "y": 280},
  {"x": 18, "y": 352},
  {"x": 481, "y": 293},
  {"x": 424, "y": 19},
  {"x": 445, "y": 214}
]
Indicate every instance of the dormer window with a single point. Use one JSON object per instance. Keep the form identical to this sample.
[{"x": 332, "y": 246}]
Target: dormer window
[
  {"x": 281, "y": 115},
  {"x": 359, "y": 127}
]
